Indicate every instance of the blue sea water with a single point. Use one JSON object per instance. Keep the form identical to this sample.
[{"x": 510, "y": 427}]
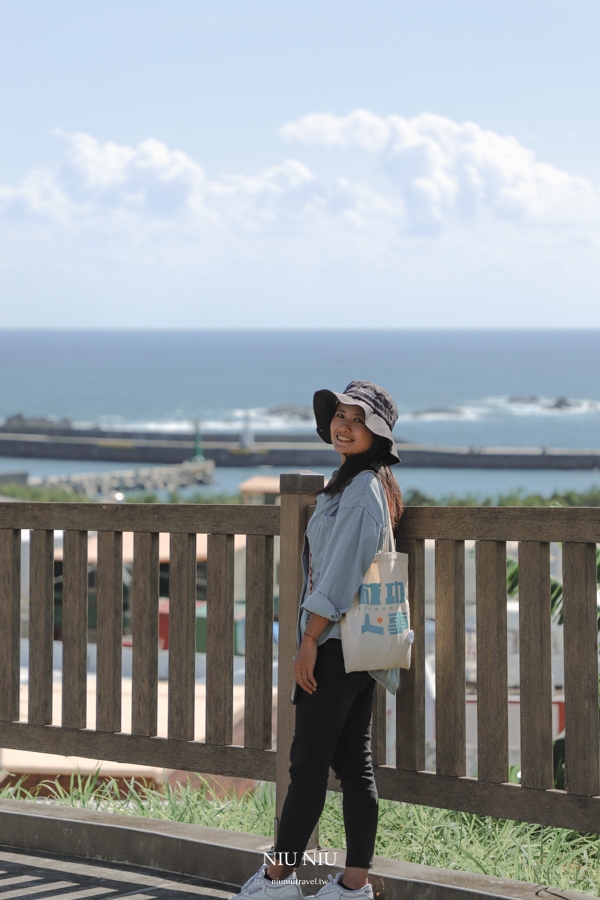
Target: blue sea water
[{"x": 475, "y": 388}]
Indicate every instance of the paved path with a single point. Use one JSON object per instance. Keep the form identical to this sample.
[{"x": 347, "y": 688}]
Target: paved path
[{"x": 36, "y": 876}]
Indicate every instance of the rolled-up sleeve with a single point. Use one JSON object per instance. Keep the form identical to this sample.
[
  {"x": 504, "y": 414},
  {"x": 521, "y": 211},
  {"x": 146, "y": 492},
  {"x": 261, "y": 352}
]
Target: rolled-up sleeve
[{"x": 352, "y": 546}]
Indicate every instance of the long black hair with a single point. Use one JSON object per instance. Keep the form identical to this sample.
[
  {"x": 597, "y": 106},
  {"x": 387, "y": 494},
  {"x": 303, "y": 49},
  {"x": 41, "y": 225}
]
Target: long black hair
[{"x": 375, "y": 460}]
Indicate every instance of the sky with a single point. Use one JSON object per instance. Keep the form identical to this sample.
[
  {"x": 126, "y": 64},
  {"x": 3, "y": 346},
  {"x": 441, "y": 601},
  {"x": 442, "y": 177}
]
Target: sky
[{"x": 329, "y": 163}]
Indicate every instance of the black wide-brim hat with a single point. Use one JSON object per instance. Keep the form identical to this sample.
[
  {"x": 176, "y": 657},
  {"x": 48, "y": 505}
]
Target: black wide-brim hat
[{"x": 381, "y": 412}]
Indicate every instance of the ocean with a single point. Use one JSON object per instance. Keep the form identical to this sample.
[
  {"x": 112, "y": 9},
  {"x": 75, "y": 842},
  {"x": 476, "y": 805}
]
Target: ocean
[{"x": 465, "y": 388}]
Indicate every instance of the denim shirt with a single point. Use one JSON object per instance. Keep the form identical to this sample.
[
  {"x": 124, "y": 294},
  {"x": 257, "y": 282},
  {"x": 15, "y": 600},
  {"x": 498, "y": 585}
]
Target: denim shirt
[{"x": 344, "y": 535}]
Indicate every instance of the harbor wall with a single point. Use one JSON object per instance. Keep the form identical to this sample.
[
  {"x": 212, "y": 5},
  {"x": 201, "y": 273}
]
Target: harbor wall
[{"x": 297, "y": 450}]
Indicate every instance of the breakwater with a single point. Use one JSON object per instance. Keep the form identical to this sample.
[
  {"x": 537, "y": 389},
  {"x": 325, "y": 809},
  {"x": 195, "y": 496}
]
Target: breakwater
[
  {"x": 159, "y": 478},
  {"x": 302, "y": 450},
  {"x": 544, "y": 458}
]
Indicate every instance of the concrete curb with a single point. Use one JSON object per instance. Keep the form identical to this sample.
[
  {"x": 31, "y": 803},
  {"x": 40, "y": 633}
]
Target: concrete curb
[{"x": 228, "y": 857}]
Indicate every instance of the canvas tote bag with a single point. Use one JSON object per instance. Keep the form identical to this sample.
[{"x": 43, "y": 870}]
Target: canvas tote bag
[{"x": 376, "y": 631}]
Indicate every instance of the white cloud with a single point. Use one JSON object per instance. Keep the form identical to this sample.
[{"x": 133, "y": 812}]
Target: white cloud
[
  {"x": 445, "y": 171},
  {"x": 359, "y": 128},
  {"x": 432, "y": 174},
  {"x": 149, "y": 176},
  {"x": 438, "y": 208}
]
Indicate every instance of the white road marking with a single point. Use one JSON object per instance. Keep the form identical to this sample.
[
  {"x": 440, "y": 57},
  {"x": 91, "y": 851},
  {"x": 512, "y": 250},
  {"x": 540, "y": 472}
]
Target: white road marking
[
  {"x": 105, "y": 874},
  {"x": 88, "y": 892},
  {"x": 136, "y": 897},
  {"x": 36, "y": 889}
]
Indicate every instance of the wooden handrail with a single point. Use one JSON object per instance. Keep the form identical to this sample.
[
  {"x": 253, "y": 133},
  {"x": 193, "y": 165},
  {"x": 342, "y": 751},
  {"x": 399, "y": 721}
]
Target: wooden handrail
[
  {"x": 186, "y": 518},
  {"x": 509, "y": 523}
]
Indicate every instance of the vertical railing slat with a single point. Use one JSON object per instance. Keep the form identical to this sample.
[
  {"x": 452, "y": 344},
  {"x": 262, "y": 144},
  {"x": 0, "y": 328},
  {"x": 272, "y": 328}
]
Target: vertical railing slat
[
  {"x": 182, "y": 636},
  {"x": 535, "y": 663},
  {"x": 219, "y": 639},
  {"x": 492, "y": 662},
  {"x": 410, "y": 700},
  {"x": 109, "y": 599},
  {"x": 450, "y": 706},
  {"x": 582, "y": 775},
  {"x": 10, "y": 617},
  {"x": 258, "y": 698},
  {"x": 74, "y": 630},
  {"x": 41, "y": 626},
  {"x": 144, "y": 627}
]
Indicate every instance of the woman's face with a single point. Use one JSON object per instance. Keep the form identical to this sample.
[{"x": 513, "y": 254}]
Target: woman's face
[{"x": 349, "y": 434}]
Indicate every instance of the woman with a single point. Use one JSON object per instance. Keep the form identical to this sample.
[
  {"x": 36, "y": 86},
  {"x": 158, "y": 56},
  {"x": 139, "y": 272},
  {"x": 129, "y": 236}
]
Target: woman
[{"x": 333, "y": 711}]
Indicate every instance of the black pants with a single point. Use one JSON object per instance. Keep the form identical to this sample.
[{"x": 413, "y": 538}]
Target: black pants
[{"x": 333, "y": 728}]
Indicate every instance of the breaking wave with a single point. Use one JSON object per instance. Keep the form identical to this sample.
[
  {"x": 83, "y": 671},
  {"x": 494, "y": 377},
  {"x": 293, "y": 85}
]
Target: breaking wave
[{"x": 292, "y": 418}]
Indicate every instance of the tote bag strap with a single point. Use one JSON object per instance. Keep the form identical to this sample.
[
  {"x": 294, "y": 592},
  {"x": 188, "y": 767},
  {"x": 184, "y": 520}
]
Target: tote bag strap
[{"x": 389, "y": 542}]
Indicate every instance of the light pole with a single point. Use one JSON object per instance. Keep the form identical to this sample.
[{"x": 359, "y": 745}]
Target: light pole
[{"x": 198, "y": 452}]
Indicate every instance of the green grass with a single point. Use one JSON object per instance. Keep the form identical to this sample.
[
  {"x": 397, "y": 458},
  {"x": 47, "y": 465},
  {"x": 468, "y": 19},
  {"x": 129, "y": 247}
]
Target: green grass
[
  {"x": 414, "y": 497},
  {"x": 175, "y": 497},
  {"x": 35, "y": 494},
  {"x": 499, "y": 847},
  {"x": 206, "y": 498},
  {"x": 591, "y": 497}
]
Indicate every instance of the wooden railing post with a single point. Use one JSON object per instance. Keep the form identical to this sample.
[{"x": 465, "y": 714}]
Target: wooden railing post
[{"x": 297, "y": 494}]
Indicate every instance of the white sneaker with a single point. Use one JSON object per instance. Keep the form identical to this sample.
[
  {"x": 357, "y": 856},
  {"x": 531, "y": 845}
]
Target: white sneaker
[
  {"x": 335, "y": 891},
  {"x": 260, "y": 888}
]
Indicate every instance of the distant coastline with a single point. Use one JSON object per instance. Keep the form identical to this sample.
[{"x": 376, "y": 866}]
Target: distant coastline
[
  {"x": 38, "y": 439},
  {"x": 464, "y": 388}
]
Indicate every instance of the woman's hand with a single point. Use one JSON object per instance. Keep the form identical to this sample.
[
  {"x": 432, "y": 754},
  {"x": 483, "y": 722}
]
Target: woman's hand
[
  {"x": 304, "y": 664},
  {"x": 306, "y": 657}
]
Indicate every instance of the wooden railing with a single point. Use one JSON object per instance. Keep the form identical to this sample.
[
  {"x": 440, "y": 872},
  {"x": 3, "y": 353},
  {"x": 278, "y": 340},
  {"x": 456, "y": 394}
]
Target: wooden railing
[
  {"x": 489, "y": 793},
  {"x": 535, "y": 799},
  {"x": 141, "y": 746}
]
